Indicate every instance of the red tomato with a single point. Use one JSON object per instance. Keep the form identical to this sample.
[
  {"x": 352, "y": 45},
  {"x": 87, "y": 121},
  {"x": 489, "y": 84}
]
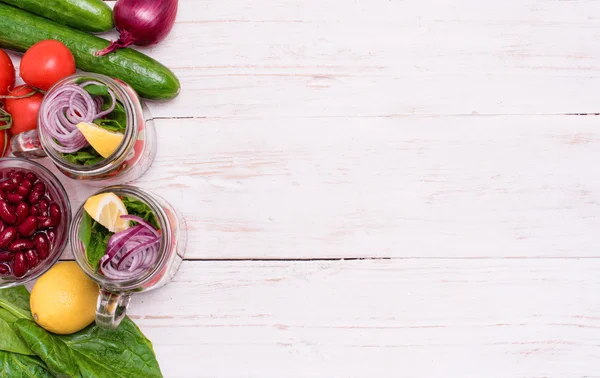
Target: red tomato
[
  {"x": 24, "y": 111},
  {"x": 45, "y": 63},
  {"x": 7, "y": 73},
  {"x": 4, "y": 140}
]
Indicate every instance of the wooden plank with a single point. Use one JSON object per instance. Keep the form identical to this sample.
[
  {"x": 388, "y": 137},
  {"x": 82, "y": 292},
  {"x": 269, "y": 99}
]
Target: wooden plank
[
  {"x": 382, "y": 187},
  {"x": 401, "y": 318},
  {"x": 381, "y": 58}
]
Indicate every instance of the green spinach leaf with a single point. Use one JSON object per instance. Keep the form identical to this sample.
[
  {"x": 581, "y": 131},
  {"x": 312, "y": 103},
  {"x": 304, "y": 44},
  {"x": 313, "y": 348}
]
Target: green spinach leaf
[
  {"x": 96, "y": 89},
  {"x": 16, "y": 301},
  {"x": 95, "y": 238},
  {"x": 16, "y": 365},
  {"x": 140, "y": 209},
  {"x": 93, "y": 352},
  {"x": 87, "y": 156},
  {"x": 111, "y": 125},
  {"x": 118, "y": 114},
  {"x": 9, "y": 340}
]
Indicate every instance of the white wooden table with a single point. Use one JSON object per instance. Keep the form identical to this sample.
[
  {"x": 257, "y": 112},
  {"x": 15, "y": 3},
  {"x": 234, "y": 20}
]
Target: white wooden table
[{"x": 381, "y": 188}]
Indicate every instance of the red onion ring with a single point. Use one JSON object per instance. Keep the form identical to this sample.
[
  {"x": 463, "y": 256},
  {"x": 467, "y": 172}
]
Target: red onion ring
[
  {"x": 131, "y": 252},
  {"x": 65, "y": 108}
]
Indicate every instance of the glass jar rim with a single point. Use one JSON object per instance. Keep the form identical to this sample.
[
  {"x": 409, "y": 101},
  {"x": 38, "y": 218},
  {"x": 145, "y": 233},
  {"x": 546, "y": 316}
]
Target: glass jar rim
[
  {"x": 131, "y": 104},
  {"x": 166, "y": 240}
]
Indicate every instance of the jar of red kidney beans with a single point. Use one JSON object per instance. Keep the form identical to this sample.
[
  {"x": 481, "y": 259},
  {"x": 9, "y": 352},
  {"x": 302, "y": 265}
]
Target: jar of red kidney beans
[{"x": 35, "y": 216}]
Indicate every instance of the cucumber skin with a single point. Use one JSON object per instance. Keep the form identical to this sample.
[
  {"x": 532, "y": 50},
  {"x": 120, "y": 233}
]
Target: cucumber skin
[
  {"x": 93, "y": 16},
  {"x": 20, "y": 30}
]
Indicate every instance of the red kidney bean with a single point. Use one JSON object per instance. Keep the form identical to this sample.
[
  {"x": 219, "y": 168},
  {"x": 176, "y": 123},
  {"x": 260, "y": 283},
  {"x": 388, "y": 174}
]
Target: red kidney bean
[
  {"x": 31, "y": 177},
  {"x": 14, "y": 198},
  {"x": 6, "y": 256},
  {"x": 32, "y": 258},
  {"x": 42, "y": 245},
  {"x": 37, "y": 193},
  {"x": 25, "y": 188},
  {"x": 55, "y": 213},
  {"x": 7, "y": 186},
  {"x": 44, "y": 222},
  {"x": 51, "y": 237},
  {"x": 20, "y": 245},
  {"x": 10, "y": 173},
  {"x": 7, "y": 236},
  {"x": 35, "y": 210},
  {"x": 22, "y": 212},
  {"x": 44, "y": 206},
  {"x": 6, "y": 213},
  {"x": 4, "y": 269},
  {"x": 2, "y": 195},
  {"x": 29, "y": 226},
  {"x": 20, "y": 265},
  {"x": 2, "y": 226},
  {"x": 17, "y": 178}
]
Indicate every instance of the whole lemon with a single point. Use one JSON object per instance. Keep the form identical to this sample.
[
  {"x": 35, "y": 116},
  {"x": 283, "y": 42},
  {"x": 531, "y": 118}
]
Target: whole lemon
[{"x": 63, "y": 300}]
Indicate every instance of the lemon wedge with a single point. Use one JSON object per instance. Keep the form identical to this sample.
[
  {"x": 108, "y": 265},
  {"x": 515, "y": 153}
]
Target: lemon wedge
[
  {"x": 106, "y": 209},
  {"x": 104, "y": 141}
]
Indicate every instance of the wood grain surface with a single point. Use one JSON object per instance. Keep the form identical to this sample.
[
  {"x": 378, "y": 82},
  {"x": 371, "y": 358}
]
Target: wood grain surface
[{"x": 448, "y": 146}]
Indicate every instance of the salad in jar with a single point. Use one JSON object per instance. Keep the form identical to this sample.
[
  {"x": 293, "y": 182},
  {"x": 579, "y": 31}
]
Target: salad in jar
[
  {"x": 85, "y": 120},
  {"x": 121, "y": 236}
]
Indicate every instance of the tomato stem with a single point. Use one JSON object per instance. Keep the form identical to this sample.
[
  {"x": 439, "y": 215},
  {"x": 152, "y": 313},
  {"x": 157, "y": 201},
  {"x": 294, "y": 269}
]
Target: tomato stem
[
  {"x": 20, "y": 97},
  {"x": 6, "y": 118}
]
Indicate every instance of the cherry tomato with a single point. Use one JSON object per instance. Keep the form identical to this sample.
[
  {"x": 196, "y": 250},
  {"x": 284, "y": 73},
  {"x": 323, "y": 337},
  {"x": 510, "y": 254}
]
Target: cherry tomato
[
  {"x": 7, "y": 73},
  {"x": 24, "y": 111},
  {"x": 4, "y": 140},
  {"x": 45, "y": 63}
]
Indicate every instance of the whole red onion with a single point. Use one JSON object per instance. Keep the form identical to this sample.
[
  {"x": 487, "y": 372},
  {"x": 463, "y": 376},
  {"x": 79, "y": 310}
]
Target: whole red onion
[{"x": 142, "y": 22}]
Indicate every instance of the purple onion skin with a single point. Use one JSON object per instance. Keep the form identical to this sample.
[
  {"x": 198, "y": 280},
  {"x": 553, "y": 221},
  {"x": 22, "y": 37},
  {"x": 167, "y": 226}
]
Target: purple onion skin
[{"x": 142, "y": 22}]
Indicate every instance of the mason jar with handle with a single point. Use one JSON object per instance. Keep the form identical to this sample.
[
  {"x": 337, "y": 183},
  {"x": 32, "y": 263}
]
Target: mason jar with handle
[
  {"x": 129, "y": 161},
  {"x": 115, "y": 293}
]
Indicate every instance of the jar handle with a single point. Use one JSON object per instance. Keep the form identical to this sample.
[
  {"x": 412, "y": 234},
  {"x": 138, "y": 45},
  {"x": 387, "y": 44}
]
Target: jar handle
[
  {"x": 27, "y": 145},
  {"x": 111, "y": 308}
]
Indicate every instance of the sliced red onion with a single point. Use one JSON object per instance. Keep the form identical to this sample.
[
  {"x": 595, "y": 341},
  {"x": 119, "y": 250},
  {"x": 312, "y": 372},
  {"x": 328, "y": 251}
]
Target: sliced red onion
[
  {"x": 142, "y": 222},
  {"x": 65, "y": 108},
  {"x": 131, "y": 252}
]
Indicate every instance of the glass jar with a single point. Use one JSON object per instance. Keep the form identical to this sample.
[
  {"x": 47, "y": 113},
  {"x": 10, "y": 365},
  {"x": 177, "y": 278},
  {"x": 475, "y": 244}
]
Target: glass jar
[
  {"x": 114, "y": 293},
  {"x": 131, "y": 159},
  {"x": 59, "y": 196}
]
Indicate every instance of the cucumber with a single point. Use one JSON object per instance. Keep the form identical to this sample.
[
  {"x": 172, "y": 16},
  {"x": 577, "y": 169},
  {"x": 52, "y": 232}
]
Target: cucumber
[
  {"x": 88, "y": 15},
  {"x": 20, "y": 30}
]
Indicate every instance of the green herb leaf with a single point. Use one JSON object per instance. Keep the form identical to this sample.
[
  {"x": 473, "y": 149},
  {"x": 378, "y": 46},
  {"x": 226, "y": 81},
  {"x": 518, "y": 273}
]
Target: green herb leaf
[
  {"x": 14, "y": 305},
  {"x": 118, "y": 115},
  {"x": 110, "y": 125},
  {"x": 93, "y": 352},
  {"x": 140, "y": 209},
  {"x": 16, "y": 301},
  {"x": 96, "y": 90},
  {"x": 16, "y": 365},
  {"x": 87, "y": 156},
  {"x": 95, "y": 241},
  {"x": 9, "y": 341},
  {"x": 85, "y": 229}
]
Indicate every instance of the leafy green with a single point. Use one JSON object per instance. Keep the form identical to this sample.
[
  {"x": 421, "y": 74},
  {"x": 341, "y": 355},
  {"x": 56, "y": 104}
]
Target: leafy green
[
  {"x": 111, "y": 125},
  {"x": 118, "y": 114},
  {"x": 9, "y": 341},
  {"x": 16, "y": 301},
  {"x": 96, "y": 89},
  {"x": 93, "y": 352},
  {"x": 16, "y": 365},
  {"x": 140, "y": 209},
  {"x": 95, "y": 238},
  {"x": 87, "y": 156}
]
